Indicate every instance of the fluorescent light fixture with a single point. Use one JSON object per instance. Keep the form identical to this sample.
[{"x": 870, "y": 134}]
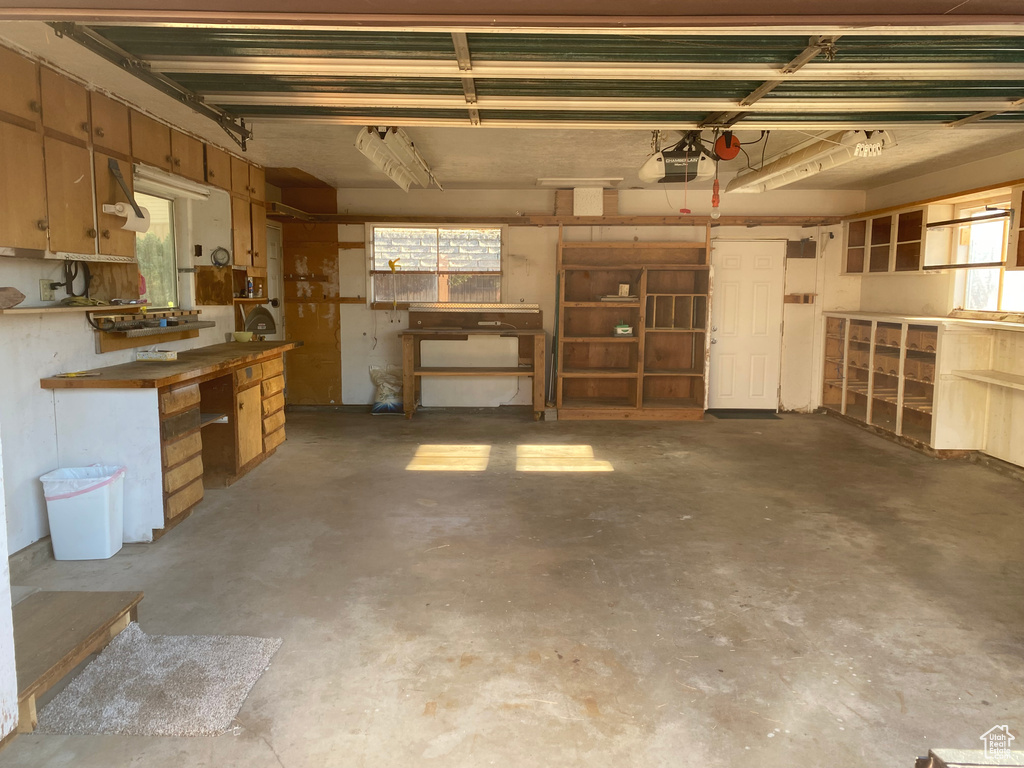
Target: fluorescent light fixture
[
  {"x": 572, "y": 183},
  {"x": 392, "y": 151},
  {"x": 154, "y": 181},
  {"x": 830, "y": 152}
]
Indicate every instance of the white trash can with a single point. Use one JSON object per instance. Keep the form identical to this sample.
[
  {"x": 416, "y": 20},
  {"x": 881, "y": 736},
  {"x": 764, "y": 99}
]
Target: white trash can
[{"x": 85, "y": 506}]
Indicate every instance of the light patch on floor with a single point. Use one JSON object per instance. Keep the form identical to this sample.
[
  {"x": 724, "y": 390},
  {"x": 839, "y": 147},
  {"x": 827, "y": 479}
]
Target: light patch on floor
[
  {"x": 559, "y": 458},
  {"x": 450, "y": 458}
]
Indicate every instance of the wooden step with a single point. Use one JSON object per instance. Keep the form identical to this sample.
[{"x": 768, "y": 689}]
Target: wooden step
[{"x": 55, "y": 631}]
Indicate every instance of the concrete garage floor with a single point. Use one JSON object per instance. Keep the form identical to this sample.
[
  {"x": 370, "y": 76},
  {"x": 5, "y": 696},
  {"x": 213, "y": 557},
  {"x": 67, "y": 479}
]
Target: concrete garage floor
[{"x": 771, "y": 593}]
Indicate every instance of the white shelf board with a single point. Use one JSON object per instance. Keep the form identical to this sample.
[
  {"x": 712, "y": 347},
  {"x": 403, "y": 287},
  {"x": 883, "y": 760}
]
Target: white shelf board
[{"x": 998, "y": 378}]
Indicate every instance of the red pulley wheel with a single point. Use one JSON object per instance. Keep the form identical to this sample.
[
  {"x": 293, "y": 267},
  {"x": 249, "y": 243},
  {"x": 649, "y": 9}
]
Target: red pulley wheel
[{"x": 727, "y": 146}]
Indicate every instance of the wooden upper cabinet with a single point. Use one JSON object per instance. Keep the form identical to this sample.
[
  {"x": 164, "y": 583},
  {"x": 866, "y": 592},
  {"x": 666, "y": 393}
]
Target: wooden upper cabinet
[
  {"x": 65, "y": 105},
  {"x": 187, "y": 156},
  {"x": 111, "y": 130},
  {"x": 113, "y": 240},
  {"x": 259, "y": 235},
  {"x": 22, "y": 188},
  {"x": 19, "y": 86},
  {"x": 218, "y": 167},
  {"x": 241, "y": 232},
  {"x": 69, "y": 193},
  {"x": 239, "y": 177},
  {"x": 257, "y": 183},
  {"x": 151, "y": 141}
]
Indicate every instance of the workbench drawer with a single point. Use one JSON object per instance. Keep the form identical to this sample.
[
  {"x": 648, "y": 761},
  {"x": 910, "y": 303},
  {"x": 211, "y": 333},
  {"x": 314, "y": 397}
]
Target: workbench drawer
[
  {"x": 177, "y": 399},
  {"x": 184, "y": 500},
  {"x": 183, "y": 474},
  {"x": 248, "y": 376},
  {"x": 273, "y": 404},
  {"x": 175, "y": 426},
  {"x": 273, "y": 386},
  {"x": 274, "y": 439},
  {"x": 273, "y": 367},
  {"x": 273, "y": 423},
  {"x": 184, "y": 448}
]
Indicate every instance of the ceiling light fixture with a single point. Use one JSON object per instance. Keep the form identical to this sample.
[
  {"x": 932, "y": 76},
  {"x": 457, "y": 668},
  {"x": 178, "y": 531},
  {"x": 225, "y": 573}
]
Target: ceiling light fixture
[
  {"x": 566, "y": 182},
  {"x": 832, "y": 151},
  {"x": 392, "y": 151}
]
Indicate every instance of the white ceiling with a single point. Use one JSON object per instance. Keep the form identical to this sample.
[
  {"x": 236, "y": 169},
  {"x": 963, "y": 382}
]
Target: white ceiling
[{"x": 514, "y": 158}]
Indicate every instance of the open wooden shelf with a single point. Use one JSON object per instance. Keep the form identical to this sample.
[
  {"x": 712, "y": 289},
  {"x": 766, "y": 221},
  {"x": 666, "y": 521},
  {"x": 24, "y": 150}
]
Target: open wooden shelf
[
  {"x": 997, "y": 378},
  {"x": 480, "y": 371},
  {"x": 660, "y": 372}
]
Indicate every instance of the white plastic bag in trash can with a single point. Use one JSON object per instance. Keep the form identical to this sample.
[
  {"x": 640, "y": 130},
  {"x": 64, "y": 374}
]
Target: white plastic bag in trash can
[
  {"x": 85, "y": 507},
  {"x": 388, "y": 381}
]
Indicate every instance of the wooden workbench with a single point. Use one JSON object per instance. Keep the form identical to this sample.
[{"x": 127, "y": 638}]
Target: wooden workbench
[
  {"x": 194, "y": 366},
  {"x": 532, "y": 348},
  {"x": 179, "y": 427}
]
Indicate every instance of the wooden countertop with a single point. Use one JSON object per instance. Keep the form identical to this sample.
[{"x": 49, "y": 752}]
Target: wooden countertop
[
  {"x": 492, "y": 331},
  {"x": 195, "y": 364}
]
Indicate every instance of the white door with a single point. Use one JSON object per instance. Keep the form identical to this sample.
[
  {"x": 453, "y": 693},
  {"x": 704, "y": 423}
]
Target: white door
[{"x": 746, "y": 324}]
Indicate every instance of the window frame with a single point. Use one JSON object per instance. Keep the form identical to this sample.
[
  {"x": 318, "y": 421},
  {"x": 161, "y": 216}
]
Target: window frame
[
  {"x": 370, "y": 226},
  {"x": 174, "y": 207},
  {"x": 962, "y": 210}
]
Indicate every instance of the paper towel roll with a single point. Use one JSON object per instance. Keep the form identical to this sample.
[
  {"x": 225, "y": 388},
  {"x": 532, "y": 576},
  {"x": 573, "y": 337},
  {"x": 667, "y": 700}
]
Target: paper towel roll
[{"x": 132, "y": 222}]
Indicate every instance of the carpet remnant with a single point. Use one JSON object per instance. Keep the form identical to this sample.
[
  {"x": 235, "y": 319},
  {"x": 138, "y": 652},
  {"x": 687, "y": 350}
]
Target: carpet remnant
[{"x": 160, "y": 685}]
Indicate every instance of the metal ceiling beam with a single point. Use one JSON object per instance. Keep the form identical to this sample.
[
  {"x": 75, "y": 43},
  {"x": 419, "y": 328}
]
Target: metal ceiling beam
[
  {"x": 233, "y": 126},
  {"x": 669, "y": 123},
  {"x": 414, "y": 101},
  {"x": 1013, "y": 106},
  {"x": 465, "y": 64},
  {"x": 555, "y": 70},
  {"x": 815, "y": 46}
]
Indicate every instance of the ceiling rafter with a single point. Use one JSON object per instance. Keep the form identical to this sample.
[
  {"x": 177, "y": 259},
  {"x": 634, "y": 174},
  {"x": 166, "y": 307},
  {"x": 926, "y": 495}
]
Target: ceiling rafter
[
  {"x": 1013, "y": 106},
  {"x": 465, "y": 62},
  {"x": 818, "y": 44}
]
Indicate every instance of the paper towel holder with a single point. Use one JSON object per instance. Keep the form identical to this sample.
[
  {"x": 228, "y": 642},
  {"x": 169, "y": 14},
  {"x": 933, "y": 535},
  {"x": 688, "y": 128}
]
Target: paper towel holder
[{"x": 139, "y": 222}]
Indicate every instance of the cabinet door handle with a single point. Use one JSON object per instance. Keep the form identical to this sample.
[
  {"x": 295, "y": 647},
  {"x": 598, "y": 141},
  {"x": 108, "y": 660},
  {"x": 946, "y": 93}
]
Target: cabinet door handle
[
  {"x": 241, "y": 406},
  {"x": 105, "y": 234},
  {"x": 90, "y": 232},
  {"x": 168, "y": 158},
  {"x": 85, "y": 127},
  {"x": 177, "y": 161},
  {"x": 41, "y": 225},
  {"x": 210, "y": 174},
  {"x": 100, "y": 133},
  {"x": 33, "y": 106}
]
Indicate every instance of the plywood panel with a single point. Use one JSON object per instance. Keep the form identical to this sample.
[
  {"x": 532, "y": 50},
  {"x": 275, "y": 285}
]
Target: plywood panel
[
  {"x": 250, "y": 425},
  {"x": 241, "y": 232},
  {"x": 65, "y": 105},
  {"x": 69, "y": 194},
  {"x": 187, "y": 156},
  {"x": 273, "y": 403},
  {"x": 22, "y": 188},
  {"x": 111, "y": 129},
  {"x": 151, "y": 141},
  {"x": 179, "y": 398},
  {"x": 184, "y": 500},
  {"x": 177, "y": 451},
  {"x": 213, "y": 286},
  {"x": 113, "y": 239},
  {"x": 218, "y": 167},
  {"x": 19, "y": 86},
  {"x": 273, "y": 440},
  {"x": 183, "y": 474},
  {"x": 239, "y": 177},
  {"x": 273, "y": 423}
]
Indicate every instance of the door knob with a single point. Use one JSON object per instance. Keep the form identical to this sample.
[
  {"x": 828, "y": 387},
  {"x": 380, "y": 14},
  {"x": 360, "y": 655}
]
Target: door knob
[
  {"x": 714, "y": 341},
  {"x": 714, "y": 327}
]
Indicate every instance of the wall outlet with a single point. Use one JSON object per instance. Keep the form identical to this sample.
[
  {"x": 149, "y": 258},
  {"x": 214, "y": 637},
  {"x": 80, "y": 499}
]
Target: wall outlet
[{"x": 46, "y": 291}]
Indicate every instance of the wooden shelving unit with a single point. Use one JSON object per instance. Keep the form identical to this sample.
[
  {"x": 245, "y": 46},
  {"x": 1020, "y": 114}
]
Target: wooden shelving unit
[
  {"x": 882, "y": 372},
  {"x": 660, "y": 372}
]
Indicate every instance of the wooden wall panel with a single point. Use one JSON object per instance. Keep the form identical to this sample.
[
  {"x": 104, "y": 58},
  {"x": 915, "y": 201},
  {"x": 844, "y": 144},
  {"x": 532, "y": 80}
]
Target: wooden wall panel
[{"x": 311, "y": 311}]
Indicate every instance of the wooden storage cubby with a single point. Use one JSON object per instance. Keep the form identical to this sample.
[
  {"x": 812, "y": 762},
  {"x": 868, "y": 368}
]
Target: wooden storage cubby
[
  {"x": 873, "y": 375},
  {"x": 660, "y": 372}
]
